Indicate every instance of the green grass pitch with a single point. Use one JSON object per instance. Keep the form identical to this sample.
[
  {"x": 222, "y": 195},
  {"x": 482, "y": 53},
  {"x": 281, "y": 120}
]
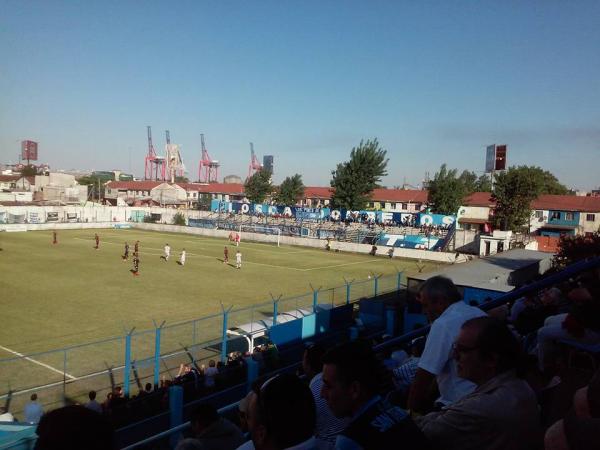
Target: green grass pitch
[{"x": 66, "y": 294}]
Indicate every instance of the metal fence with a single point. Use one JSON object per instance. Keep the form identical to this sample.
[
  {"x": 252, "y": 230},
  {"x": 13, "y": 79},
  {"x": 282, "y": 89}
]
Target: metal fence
[{"x": 147, "y": 356}]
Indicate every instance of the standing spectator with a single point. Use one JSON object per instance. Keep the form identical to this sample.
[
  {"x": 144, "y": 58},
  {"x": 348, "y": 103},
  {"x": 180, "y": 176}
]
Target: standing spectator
[
  {"x": 350, "y": 386},
  {"x": 212, "y": 432},
  {"x": 33, "y": 410},
  {"x": 282, "y": 415},
  {"x": 444, "y": 307},
  {"x": 502, "y": 413},
  {"x": 328, "y": 426},
  {"x": 93, "y": 404},
  {"x": 210, "y": 373}
]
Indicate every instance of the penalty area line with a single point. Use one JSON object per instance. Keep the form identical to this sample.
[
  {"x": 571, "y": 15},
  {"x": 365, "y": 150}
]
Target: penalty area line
[{"x": 39, "y": 363}]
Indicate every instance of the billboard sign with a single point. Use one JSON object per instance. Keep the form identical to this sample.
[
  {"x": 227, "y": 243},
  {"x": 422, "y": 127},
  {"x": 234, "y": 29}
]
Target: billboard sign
[
  {"x": 29, "y": 150},
  {"x": 490, "y": 158},
  {"x": 500, "y": 162},
  {"x": 495, "y": 158}
]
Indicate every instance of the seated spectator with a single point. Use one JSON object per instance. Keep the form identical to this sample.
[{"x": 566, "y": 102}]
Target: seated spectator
[
  {"x": 404, "y": 375},
  {"x": 212, "y": 432},
  {"x": 328, "y": 426},
  {"x": 582, "y": 324},
  {"x": 350, "y": 386},
  {"x": 573, "y": 433},
  {"x": 444, "y": 307},
  {"x": 93, "y": 404},
  {"x": 586, "y": 401},
  {"x": 33, "y": 410},
  {"x": 282, "y": 415},
  {"x": 74, "y": 428},
  {"x": 532, "y": 317},
  {"x": 5, "y": 415},
  {"x": 502, "y": 413}
]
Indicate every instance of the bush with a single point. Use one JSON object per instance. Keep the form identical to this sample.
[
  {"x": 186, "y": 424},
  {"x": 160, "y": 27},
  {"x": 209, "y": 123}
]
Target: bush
[{"x": 179, "y": 219}]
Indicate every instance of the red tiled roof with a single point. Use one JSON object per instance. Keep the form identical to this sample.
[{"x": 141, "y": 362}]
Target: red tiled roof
[
  {"x": 479, "y": 199},
  {"x": 567, "y": 203},
  {"x": 318, "y": 192},
  {"x": 400, "y": 195},
  {"x": 134, "y": 185},
  {"x": 9, "y": 177},
  {"x": 222, "y": 188}
]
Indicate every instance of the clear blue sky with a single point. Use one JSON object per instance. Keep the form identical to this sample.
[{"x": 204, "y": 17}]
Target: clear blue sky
[{"x": 305, "y": 81}]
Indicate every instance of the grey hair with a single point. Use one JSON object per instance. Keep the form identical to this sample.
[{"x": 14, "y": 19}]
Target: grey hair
[{"x": 441, "y": 288}]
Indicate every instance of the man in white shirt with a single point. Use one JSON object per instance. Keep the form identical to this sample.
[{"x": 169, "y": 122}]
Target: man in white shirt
[
  {"x": 443, "y": 305},
  {"x": 167, "y": 251},
  {"x": 33, "y": 410}
]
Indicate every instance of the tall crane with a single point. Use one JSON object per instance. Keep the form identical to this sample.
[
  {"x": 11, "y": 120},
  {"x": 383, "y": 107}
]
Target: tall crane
[
  {"x": 255, "y": 164},
  {"x": 154, "y": 166},
  {"x": 208, "y": 169}
]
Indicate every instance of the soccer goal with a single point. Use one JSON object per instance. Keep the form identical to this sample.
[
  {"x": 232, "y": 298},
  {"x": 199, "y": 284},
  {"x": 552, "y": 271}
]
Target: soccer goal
[{"x": 262, "y": 229}]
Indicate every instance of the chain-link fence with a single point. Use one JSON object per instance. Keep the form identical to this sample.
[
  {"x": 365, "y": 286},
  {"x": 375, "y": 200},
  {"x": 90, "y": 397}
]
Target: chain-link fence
[{"x": 146, "y": 356}]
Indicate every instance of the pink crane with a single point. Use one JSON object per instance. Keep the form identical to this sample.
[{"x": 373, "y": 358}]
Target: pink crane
[
  {"x": 208, "y": 169},
  {"x": 255, "y": 165}
]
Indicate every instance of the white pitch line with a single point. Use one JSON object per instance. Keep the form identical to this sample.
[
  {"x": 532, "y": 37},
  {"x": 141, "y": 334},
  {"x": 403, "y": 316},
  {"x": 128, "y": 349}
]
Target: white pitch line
[{"x": 21, "y": 355}]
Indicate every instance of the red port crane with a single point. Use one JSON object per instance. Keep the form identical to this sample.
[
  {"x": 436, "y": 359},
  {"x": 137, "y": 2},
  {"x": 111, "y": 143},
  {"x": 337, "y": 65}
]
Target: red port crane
[
  {"x": 254, "y": 165},
  {"x": 154, "y": 166},
  {"x": 208, "y": 169}
]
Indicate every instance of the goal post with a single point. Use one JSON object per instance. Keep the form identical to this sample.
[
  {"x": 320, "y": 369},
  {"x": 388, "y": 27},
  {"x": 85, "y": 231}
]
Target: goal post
[{"x": 261, "y": 229}]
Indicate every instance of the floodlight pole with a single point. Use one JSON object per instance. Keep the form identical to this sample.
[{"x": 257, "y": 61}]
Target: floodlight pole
[
  {"x": 375, "y": 283},
  {"x": 399, "y": 281},
  {"x": 157, "y": 333},
  {"x": 224, "y": 337},
  {"x": 275, "y": 307},
  {"x": 348, "y": 287},
  {"x": 315, "y": 297},
  {"x": 127, "y": 373}
]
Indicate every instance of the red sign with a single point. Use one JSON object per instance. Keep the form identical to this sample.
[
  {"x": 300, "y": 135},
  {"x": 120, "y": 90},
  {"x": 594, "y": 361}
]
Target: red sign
[
  {"x": 500, "y": 157},
  {"x": 29, "y": 150}
]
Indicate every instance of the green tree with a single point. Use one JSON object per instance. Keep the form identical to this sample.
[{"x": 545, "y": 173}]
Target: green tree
[
  {"x": 29, "y": 171},
  {"x": 515, "y": 189},
  {"x": 290, "y": 191},
  {"x": 446, "y": 191},
  {"x": 354, "y": 180},
  {"x": 95, "y": 185},
  {"x": 484, "y": 184},
  {"x": 469, "y": 181},
  {"x": 576, "y": 248},
  {"x": 179, "y": 179},
  {"x": 179, "y": 219},
  {"x": 258, "y": 186}
]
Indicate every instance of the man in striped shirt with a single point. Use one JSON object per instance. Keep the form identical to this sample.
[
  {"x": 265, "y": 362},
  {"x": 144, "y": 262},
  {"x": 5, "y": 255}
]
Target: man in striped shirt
[{"x": 328, "y": 426}]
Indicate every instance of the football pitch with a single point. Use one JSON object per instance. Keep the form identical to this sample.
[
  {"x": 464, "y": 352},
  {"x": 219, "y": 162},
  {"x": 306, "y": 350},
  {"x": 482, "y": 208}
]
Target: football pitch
[{"x": 69, "y": 293}]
